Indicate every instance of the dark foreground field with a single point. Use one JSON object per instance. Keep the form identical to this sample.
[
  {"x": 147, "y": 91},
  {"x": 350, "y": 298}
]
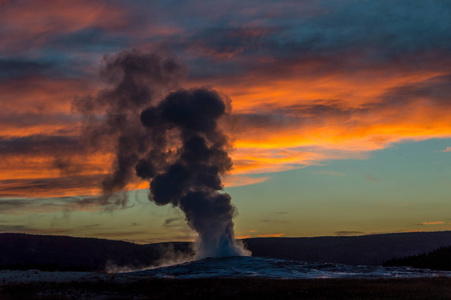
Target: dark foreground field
[{"x": 248, "y": 288}]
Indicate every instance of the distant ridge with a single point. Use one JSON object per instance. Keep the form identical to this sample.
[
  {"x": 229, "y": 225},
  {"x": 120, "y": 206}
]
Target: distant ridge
[
  {"x": 24, "y": 251},
  {"x": 353, "y": 250},
  {"x": 46, "y": 252}
]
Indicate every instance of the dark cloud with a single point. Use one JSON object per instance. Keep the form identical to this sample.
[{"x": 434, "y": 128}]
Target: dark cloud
[
  {"x": 377, "y": 30},
  {"x": 344, "y": 36},
  {"x": 39, "y": 145},
  {"x": 247, "y": 37},
  {"x": 370, "y": 177},
  {"x": 89, "y": 40},
  {"x": 29, "y": 119},
  {"x": 64, "y": 153},
  {"x": 222, "y": 43},
  {"x": 11, "y": 68},
  {"x": 432, "y": 94},
  {"x": 272, "y": 221},
  {"x": 336, "y": 36},
  {"x": 434, "y": 91},
  {"x": 18, "y": 205},
  {"x": 47, "y": 186},
  {"x": 172, "y": 222},
  {"x": 275, "y": 119}
]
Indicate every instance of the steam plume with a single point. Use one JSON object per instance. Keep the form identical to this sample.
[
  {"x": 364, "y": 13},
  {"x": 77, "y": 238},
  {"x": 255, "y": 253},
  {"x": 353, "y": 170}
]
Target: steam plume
[
  {"x": 174, "y": 142},
  {"x": 111, "y": 118},
  {"x": 188, "y": 176}
]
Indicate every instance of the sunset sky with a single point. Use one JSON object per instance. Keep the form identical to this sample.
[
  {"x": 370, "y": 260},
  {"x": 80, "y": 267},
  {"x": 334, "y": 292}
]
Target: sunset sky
[{"x": 340, "y": 113}]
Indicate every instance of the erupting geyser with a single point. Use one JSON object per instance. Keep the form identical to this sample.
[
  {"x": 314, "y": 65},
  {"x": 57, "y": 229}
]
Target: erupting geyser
[
  {"x": 188, "y": 176},
  {"x": 170, "y": 137}
]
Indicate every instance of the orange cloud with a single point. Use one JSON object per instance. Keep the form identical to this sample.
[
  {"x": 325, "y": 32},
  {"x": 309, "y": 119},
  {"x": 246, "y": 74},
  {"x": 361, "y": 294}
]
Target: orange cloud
[
  {"x": 239, "y": 180},
  {"x": 29, "y": 24},
  {"x": 280, "y": 121},
  {"x": 271, "y": 235},
  {"x": 281, "y": 137},
  {"x": 447, "y": 149},
  {"x": 242, "y": 237},
  {"x": 42, "y": 95},
  {"x": 285, "y": 123},
  {"x": 433, "y": 223}
]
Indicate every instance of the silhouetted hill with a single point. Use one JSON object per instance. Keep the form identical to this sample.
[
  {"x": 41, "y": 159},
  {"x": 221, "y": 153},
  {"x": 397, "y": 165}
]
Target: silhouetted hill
[
  {"x": 23, "y": 251},
  {"x": 355, "y": 250},
  {"x": 439, "y": 259}
]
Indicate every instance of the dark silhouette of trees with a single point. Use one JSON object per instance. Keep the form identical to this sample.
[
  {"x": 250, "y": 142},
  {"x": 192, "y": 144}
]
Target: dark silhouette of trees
[{"x": 439, "y": 259}]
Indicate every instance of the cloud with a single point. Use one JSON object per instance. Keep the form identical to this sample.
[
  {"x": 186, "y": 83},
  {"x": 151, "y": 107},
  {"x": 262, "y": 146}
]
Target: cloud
[
  {"x": 447, "y": 149},
  {"x": 174, "y": 222},
  {"x": 41, "y": 96},
  {"x": 51, "y": 186},
  {"x": 16, "y": 68},
  {"x": 407, "y": 112},
  {"x": 19, "y": 206},
  {"x": 39, "y": 145},
  {"x": 272, "y": 221},
  {"x": 433, "y": 223},
  {"x": 370, "y": 177},
  {"x": 237, "y": 180},
  {"x": 30, "y": 24},
  {"x": 271, "y": 235},
  {"x": 89, "y": 40},
  {"x": 30, "y": 229},
  {"x": 308, "y": 84},
  {"x": 240, "y": 237}
]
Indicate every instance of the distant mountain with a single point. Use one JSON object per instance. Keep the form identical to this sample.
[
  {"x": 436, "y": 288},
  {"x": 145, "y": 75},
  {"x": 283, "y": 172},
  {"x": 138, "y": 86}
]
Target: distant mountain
[
  {"x": 355, "y": 250},
  {"x": 439, "y": 259},
  {"x": 23, "y": 251}
]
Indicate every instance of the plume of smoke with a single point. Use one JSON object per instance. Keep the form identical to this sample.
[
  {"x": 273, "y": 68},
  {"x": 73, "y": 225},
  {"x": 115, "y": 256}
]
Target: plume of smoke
[
  {"x": 111, "y": 118},
  {"x": 185, "y": 164},
  {"x": 170, "y": 138}
]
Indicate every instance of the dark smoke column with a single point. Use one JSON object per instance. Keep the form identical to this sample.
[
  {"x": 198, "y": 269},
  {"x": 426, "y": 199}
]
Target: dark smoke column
[
  {"x": 135, "y": 80},
  {"x": 180, "y": 150},
  {"x": 187, "y": 156}
]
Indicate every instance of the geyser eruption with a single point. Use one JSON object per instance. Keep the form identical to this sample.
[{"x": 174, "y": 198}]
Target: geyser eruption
[
  {"x": 111, "y": 118},
  {"x": 169, "y": 137},
  {"x": 189, "y": 175}
]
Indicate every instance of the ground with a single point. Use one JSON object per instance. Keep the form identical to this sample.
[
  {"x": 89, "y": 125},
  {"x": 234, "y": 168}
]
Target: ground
[{"x": 118, "y": 287}]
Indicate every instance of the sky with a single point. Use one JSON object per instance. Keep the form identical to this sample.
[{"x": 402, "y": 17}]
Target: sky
[{"x": 340, "y": 113}]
